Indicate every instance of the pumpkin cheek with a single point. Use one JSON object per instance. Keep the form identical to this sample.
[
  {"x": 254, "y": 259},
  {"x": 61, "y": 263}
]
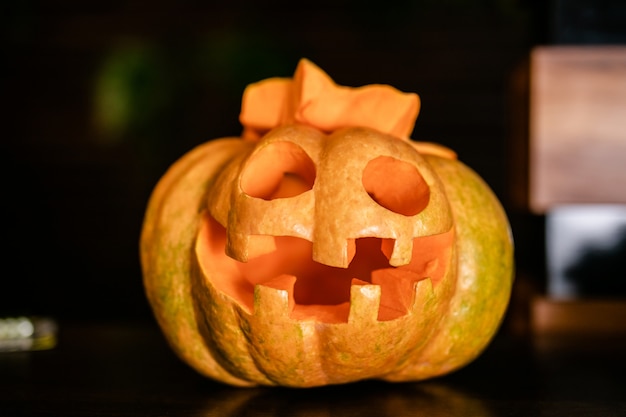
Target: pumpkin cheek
[{"x": 316, "y": 290}]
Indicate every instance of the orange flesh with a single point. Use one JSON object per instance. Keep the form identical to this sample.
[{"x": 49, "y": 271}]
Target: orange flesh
[{"x": 320, "y": 291}]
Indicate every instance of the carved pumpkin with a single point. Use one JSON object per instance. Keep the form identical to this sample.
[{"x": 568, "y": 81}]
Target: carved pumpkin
[{"x": 323, "y": 246}]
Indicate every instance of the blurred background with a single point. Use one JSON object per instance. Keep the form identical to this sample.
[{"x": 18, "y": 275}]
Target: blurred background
[{"x": 100, "y": 97}]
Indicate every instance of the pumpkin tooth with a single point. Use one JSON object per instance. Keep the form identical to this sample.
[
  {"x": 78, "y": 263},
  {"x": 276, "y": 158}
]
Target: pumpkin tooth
[
  {"x": 402, "y": 251},
  {"x": 423, "y": 291},
  {"x": 399, "y": 251},
  {"x": 275, "y": 297},
  {"x": 237, "y": 246},
  {"x": 332, "y": 251},
  {"x": 259, "y": 245},
  {"x": 364, "y": 301},
  {"x": 243, "y": 247}
]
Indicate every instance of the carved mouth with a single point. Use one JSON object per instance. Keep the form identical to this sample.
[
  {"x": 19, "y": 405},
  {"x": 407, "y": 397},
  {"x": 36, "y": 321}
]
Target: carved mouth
[{"x": 317, "y": 291}]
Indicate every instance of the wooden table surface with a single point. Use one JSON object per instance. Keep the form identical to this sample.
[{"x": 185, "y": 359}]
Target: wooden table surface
[{"x": 123, "y": 369}]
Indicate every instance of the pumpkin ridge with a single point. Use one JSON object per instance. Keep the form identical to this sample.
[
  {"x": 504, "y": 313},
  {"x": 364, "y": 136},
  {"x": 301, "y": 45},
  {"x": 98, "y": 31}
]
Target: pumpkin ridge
[
  {"x": 485, "y": 258},
  {"x": 252, "y": 349},
  {"x": 164, "y": 256},
  {"x": 223, "y": 329}
]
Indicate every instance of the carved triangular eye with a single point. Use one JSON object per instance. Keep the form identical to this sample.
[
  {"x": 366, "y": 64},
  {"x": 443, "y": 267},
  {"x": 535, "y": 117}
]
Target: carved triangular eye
[
  {"x": 278, "y": 170},
  {"x": 396, "y": 185}
]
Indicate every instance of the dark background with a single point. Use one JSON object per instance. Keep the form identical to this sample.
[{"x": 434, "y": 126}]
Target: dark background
[{"x": 100, "y": 97}]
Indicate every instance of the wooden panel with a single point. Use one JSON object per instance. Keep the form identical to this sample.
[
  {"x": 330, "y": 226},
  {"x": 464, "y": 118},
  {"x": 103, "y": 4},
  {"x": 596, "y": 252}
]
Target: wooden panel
[
  {"x": 596, "y": 316},
  {"x": 577, "y": 126}
]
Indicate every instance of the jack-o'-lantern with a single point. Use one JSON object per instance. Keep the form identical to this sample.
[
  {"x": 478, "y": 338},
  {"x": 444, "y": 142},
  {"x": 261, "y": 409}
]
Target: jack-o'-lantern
[{"x": 323, "y": 246}]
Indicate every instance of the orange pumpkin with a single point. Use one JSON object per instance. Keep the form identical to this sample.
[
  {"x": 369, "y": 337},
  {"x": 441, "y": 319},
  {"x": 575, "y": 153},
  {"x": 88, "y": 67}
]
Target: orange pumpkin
[{"x": 324, "y": 246}]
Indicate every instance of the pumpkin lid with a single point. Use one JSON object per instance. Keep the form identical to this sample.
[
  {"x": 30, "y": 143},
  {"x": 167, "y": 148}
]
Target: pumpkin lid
[{"x": 312, "y": 98}]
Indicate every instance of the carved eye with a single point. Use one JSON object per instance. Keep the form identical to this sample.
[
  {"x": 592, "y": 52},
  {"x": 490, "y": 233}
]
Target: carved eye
[
  {"x": 279, "y": 170},
  {"x": 396, "y": 185}
]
